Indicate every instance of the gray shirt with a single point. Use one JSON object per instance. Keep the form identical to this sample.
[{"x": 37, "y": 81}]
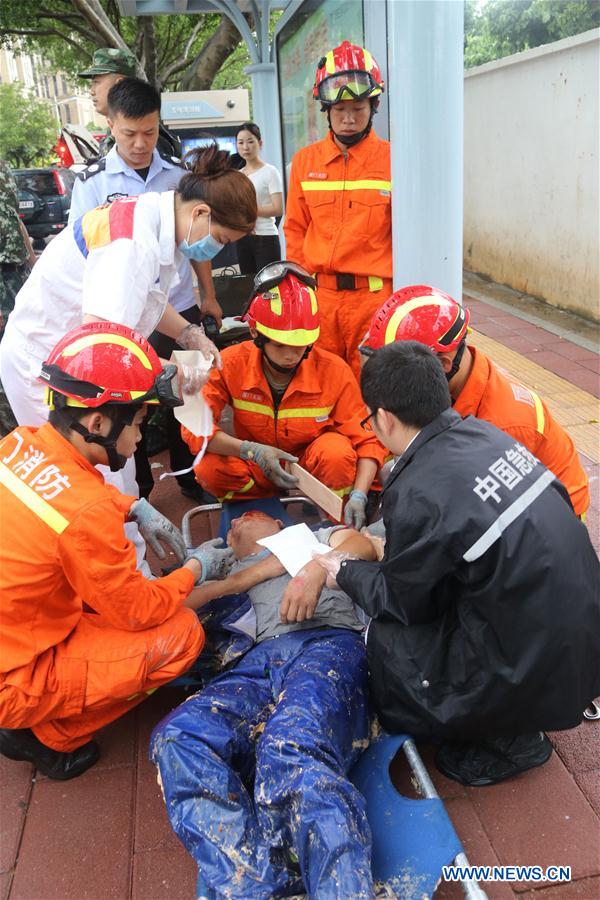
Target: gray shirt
[{"x": 335, "y": 609}]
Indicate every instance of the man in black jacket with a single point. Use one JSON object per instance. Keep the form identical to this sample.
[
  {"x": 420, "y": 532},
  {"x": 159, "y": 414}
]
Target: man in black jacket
[{"x": 485, "y": 606}]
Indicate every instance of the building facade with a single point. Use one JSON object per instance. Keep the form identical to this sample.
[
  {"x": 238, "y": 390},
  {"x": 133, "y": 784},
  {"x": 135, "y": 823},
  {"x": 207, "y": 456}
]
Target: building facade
[{"x": 70, "y": 102}]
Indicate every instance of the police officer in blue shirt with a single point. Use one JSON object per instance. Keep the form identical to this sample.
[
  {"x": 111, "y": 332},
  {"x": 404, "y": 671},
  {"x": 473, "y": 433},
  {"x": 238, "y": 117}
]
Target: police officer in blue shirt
[{"x": 135, "y": 166}]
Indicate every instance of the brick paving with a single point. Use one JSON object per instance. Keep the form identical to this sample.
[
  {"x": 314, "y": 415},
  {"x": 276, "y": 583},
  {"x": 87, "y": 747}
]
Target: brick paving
[{"x": 106, "y": 835}]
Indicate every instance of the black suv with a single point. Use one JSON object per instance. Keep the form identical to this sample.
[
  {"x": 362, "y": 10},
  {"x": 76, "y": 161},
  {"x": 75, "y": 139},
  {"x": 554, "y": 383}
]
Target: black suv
[{"x": 44, "y": 199}]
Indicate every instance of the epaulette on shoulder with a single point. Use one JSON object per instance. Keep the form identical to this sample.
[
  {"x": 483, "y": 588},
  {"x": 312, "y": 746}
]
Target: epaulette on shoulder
[
  {"x": 98, "y": 166},
  {"x": 174, "y": 160}
]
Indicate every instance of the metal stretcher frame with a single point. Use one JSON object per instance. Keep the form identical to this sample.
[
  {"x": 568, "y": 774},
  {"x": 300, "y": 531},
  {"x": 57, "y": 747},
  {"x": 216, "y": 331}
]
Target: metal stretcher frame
[
  {"x": 215, "y": 507},
  {"x": 419, "y": 770},
  {"x": 471, "y": 888}
]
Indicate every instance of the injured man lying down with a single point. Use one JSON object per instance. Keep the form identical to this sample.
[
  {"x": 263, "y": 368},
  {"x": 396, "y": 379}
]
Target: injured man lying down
[{"x": 254, "y": 766}]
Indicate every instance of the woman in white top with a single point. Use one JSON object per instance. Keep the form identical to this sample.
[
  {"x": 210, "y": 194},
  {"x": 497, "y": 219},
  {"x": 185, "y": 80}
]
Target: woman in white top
[{"x": 261, "y": 248}]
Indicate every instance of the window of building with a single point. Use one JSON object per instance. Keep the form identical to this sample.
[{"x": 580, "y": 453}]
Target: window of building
[
  {"x": 11, "y": 65},
  {"x": 27, "y": 71}
]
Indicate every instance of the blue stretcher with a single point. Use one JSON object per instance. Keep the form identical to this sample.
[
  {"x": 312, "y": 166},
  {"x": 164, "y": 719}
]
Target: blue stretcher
[{"x": 413, "y": 839}]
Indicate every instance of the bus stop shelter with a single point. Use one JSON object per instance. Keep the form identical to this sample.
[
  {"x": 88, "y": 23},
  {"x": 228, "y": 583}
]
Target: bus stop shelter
[{"x": 419, "y": 47}]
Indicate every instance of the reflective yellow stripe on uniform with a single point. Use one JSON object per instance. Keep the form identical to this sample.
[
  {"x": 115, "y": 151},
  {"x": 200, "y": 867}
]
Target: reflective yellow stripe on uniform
[
  {"x": 254, "y": 407},
  {"x": 311, "y": 412},
  {"x": 539, "y": 413},
  {"x": 366, "y": 184},
  {"x": 32, "y": 500},
  {"x": 231, "y": 494},
  {"x": 375, "y": 283},
  {"x": 314, "y": 412},
  {"x": 342, "y": 492}
]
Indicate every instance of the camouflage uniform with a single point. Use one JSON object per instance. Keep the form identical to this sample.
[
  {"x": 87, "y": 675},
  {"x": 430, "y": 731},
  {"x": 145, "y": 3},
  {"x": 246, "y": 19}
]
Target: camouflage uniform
[
  {"x": 14, "y": 269},
  {"x": 107, "y": 61}
]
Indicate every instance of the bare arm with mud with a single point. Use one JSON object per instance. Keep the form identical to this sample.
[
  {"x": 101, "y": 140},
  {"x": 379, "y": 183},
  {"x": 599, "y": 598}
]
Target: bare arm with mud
[{"x": 236, "y": 583}]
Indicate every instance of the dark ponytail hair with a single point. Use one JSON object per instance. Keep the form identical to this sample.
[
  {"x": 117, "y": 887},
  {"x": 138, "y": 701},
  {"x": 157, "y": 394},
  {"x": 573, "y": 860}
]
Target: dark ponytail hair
[
  {"x": 230, "y": 195},
  {"x": 252, "y": 127}
]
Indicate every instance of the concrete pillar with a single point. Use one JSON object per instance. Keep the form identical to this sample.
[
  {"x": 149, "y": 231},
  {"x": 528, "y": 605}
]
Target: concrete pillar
[
  {"x": 265, "y": 110},
  {"x": 376, "y": 43},
  {"x": 425, "y": 74}
]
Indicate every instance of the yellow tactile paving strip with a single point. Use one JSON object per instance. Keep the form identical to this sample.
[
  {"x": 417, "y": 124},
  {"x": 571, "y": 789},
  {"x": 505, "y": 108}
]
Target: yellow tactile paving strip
[{"x": 575, "y": 409}]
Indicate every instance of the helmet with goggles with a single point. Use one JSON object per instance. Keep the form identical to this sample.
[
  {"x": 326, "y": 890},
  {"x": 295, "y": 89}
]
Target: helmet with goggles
[
  {"x": 347, "y": 72},
  {"x": 284, "y": 306},
  {"x": 103, "y": 365},
  {"x": 102, "y": 362}
]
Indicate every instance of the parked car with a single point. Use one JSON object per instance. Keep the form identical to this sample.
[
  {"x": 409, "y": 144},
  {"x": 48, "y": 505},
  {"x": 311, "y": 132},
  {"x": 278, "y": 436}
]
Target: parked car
[
  {"x": 77, "y": 147},
  {"x": 44, "y": 200}
]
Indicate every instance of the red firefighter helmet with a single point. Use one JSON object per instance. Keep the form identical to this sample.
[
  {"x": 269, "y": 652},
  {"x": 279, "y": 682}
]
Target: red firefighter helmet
[
  {"x": 102, "y": 362},
  {"x": 418, "y": 313},
  {"x": 287, "y": 313},
  {"x": 347, "y": 72}
]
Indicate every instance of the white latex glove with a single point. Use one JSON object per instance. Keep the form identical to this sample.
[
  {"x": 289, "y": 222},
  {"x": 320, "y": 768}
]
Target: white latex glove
[
  {"x": 193, "y": 338},
  {"x": 331, "y": 562},
  {"x": 377, "y": 541},
  {"x": 191, "y": 378}
]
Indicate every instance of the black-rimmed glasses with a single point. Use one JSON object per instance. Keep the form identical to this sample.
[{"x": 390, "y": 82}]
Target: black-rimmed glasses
[{"x": 366, "y": 422}]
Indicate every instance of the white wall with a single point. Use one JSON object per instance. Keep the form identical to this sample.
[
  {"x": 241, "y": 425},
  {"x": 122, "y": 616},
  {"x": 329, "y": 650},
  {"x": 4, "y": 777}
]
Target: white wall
[{"x": 531, "y": 172}]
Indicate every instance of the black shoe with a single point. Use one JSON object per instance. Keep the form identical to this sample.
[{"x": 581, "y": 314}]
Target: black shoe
[
  {"x": 197, "y": 493},
  {"x": 493, "y": 760},
  {"x": 22, "y": 744}
]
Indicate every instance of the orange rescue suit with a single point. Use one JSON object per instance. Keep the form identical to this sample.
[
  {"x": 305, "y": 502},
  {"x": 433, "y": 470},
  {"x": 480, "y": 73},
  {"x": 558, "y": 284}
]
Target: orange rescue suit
[
  {"x": 492, "y": 394},
  {"x": 338, "y": 221},
  {"x": 65, "y": 672},
  {"x": 318, "y": 420}
]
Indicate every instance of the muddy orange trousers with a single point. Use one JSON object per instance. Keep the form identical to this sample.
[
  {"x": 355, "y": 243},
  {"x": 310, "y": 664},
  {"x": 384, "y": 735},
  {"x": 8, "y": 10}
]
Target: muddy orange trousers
[
  {"x": 331, "y": 458},
  {"x": 96, "y": 675}
]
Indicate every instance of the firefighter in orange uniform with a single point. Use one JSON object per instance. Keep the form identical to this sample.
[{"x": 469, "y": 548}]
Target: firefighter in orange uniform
[
  {"x": 291, "y": 401},
  {"x": 338, "y": 217},
  {"x": 479, "y": 387},
  {"x": 85, "y": 637}
]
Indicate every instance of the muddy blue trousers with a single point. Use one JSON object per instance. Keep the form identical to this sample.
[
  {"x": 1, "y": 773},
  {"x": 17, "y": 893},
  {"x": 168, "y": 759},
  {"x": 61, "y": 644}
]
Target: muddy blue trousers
[{"x": 254, "y": 766}]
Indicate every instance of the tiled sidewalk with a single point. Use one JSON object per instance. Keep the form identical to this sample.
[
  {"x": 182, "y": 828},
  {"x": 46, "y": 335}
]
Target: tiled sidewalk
[{"x": 106, "y": 834}]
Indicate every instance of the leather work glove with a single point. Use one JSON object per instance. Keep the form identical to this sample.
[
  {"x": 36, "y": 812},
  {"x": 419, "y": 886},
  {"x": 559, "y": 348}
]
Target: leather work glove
[
  {"x": 191, "y": 378},
  {"x": 268, "y": 458},
  {"x": 156, "y": 529},
  {"x": 192, "y": 337},
  {"x": 216, "y": 561},
  {"x": 355, "y": 513}
]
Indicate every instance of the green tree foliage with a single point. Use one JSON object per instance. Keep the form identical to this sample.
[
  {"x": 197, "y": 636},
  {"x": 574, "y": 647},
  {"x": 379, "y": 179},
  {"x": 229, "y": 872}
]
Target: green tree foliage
[
  {"x": 66, "y": 33},
  {"x": 501, "y": 27},
  {"x": 29, "y": 128}
]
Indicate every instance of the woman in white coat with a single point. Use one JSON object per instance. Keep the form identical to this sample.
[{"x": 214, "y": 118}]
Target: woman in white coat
[{"x": 117, "y": 263}]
